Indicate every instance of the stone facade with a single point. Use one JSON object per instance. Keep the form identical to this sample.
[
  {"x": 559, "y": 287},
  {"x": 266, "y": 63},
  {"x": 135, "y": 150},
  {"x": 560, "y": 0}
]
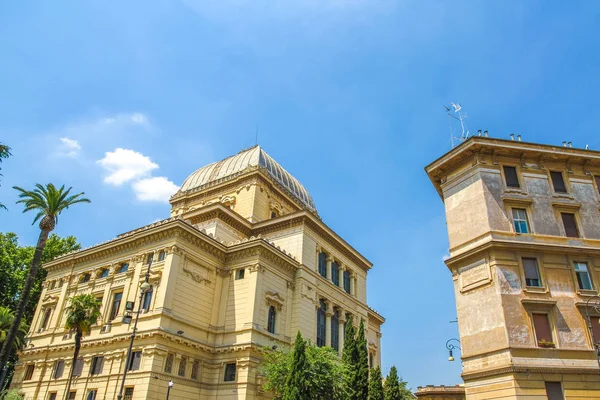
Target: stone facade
[
  {"x": 442, "y": 392},
  {"x": 524, "y": 230},
  {"x": 234, "y": 273}
]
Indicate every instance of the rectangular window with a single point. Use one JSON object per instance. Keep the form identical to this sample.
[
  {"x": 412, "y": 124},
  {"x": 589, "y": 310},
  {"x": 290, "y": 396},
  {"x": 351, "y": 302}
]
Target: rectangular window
[
  {"x": 584, "y": 280},
  {"x": 97, "y": 365},
  {"x": 520, "y": 220},
  {"x": 134, "y": 363},
  {"x": 72, "y": 394},
  {"x": 570, "y": 225},
  {"x": 46, "y": 318},
  {"x": 229, "y": 372},
  {"x": 169, "y": 363},
  {"x": 239, "y": 274},
  {"x": 554, "y": 391},
  {"x": 116, "y": 304},
  {"x": 510, "y": 176},
  {"x": 92, "y": 394},
  {"x": 347, "y": 281},
  {"x": 59, "y": 367},
  {"x": 532, "y": 272},
  {"x": 29, "y": 372},
  {"x": 78, "y": 367},
  {"x": 597, "y": 178},
  {"x": 595, "y": 320},
  {"x": 335, "y": 273},
  {"x": 128, "y": 394},
  {"x": 182, "y": 366},
  {"x": 323, "y": 264},
  {"x": 195, "y": 369},
  {"x": 558, "y": 182},
  {"x": 147, "y": 300},
  {"x": 52, "y": 396},
  {"x": 543, "y": 333}
]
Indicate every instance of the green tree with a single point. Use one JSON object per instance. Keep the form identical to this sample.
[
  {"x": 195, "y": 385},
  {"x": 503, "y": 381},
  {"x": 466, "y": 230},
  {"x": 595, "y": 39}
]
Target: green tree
[
  {"x": 82, "y": 312},
  {"x": 392, "y": 386},
  {"x": 6, "y": 319},
  {"x": 375, "y": 385},
  {"x": 350, "y": 358},
  {"x": 4, "y": 153},
  {"x": 296, "y": 384},
  {"x": 49, "y": 202},
  {"x": 323, "y": 372},
  {"x": 362, "y": 367}
]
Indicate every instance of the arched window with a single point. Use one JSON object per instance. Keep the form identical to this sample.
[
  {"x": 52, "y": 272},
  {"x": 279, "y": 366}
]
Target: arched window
[
  {"x": 161, "y": 255},
  {"x": 169, "y": 363},
  {"x": 323, "y": 264},
  {"x": 271, "y": 319},
  {"x": 335, "y": 330},
  {"x": 321, "y": 324}
]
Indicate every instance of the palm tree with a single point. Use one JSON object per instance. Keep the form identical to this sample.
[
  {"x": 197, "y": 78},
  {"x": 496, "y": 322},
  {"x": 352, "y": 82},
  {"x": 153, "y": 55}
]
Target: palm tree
[
  {"x": 82, "y": 312},
  {"x": 6, "y": 319},
  {"x": 49, "y": 202},
  {"x": 4, "y": 153}
]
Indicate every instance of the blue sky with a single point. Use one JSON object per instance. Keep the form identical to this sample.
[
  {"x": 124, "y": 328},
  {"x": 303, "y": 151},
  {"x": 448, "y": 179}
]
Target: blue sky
[{"x": 347, "y": 96}]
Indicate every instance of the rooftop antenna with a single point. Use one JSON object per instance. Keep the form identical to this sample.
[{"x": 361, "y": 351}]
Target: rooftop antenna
[{"x": 454, "y": 111}]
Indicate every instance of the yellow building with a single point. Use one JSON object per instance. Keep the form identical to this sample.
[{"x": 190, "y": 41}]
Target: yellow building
[
  {"x": 524, "y": 229},
  {"x": 243, "y": 264}
]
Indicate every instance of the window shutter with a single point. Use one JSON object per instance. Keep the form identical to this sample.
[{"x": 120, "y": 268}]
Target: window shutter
[
  {"x": 542, "y": 327},
  {"x": 510, "y": 175},
  {"x": 58, "y": 369},
  {"x": 78, "y": 367},
  {"x": 135, "y": 362},
  {"x": 100, "y": 365},
  {"x": 558, "y": 182},
  {"x": 570, "y": 224}
]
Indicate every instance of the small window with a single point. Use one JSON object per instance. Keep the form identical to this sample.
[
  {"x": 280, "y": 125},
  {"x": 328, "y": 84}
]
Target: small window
[
  {"x": 46, "y": 318},
  {"x": 273, "y": 214},
  {"x": 195, "y": 369},
  {"x": 103, "y": 273},
  {"x": 60, "y": 283},
  {"x": 147, "y": 301},
  {"x": 92, "y": 394},
  {"x": 128, "y": 393},
  {"x": 554, "y": 391},
  {"x": 239, "y": 274},
  {"x": 543, "y": 333},
  {"x": 169, "y": 363},
  {"x": 114, "y": 311},
  {"x": 229, "y": 372},
  {"x": 584, "y": 280},
  {"x": 72, "y": 394},
  {"x": 347, "y": 281},
  {"x": 97, "y": 365},
  {"x": 59, "y": 368},
  {"x": 52, "y": 396},
  {"x": 271, "y": 319},
  {"x": 510, "y": 176},
  {"x": 52, "y": 285},
  {"x": 78, "y": 367},
  {"x": 182, "y": 366},
  {"x": 570, "y": 224},
  {"x": 122, "y": 268},
  {"x": 134, "y": 363},
  {"x": 520, "y": 220},
  {"x": 149, "y": 258},
  {"x": 323, "y": 264},
  {"x": 558, "y": 182},
  {"x": 335, "y": 273},
  {"x": 532, "y": 272},
  {"x": 99, "y": 299},
  {"x": 29, "y": 372},
  {"x": 85, "y": 278},
  {"x": 161, "y": 255}
]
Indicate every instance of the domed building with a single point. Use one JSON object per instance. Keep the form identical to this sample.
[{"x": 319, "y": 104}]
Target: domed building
[{"x": 243, "y": 264}]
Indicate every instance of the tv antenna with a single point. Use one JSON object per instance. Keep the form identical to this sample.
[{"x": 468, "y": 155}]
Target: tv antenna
[{"x": 454, "y": 111}]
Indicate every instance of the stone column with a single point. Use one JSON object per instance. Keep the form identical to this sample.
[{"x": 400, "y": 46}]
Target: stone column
[
  {"x": 342, "y": 331},
  {"x": 341, "y": 269},
  {"x": 328, "y": 315},
  {"x": 329, "y": 261}
]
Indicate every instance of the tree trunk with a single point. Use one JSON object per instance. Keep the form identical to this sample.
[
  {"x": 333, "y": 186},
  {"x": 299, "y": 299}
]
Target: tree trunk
[
  {"x": 24, "y": 298},
  {"x": 78, "y": 336}
]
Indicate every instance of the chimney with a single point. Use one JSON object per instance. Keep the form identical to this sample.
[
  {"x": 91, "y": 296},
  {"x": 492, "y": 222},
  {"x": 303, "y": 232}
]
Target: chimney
[
  {"x": 485, "y": 133},
  {"x": 512, "y": 136},
  {"x": 570, "y": 144},
  {"x": 565, "y": 144},
  {"x": 587, "y": 146},
  {"x": 519, "y": 138},
  {"x": 479, "y": 132}
]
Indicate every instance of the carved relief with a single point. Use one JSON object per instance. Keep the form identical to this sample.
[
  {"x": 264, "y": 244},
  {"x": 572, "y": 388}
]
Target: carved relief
[
  {"x": 274, "y": 299},
  {"x": 196, "y": 272}
]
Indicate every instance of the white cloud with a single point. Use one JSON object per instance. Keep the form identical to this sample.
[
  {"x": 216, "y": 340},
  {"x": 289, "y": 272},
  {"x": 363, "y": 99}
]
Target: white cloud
[
  {"x": 124, "y": 165},
  {"x": 69, "y": 147},
  {"x": 158, "y": 189}
]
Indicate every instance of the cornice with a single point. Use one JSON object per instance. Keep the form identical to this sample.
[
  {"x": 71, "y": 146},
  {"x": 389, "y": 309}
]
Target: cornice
[
  {"x": 516, "y": 369},
  {"x": 220, "y": 212}
]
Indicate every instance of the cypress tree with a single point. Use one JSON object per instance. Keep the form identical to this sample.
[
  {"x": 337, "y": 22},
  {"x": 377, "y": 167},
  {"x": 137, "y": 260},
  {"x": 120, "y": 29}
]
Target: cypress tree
[
  {"x": 392, "y": 386},
  {"x": 350, "y": 360},
  {"x": 297, "y": 385},
  {"x": 375, "y": 385},
  {"x": 362, "y": 367}
]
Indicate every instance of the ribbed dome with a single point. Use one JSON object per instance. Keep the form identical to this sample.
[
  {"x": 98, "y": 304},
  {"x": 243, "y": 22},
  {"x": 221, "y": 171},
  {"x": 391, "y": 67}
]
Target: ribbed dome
[{"x": 252, "y": 157}]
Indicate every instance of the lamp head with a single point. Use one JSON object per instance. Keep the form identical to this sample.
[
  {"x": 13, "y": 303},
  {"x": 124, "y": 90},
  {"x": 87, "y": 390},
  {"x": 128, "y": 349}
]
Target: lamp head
[
  {"x": 171, "y": 384},
  {"x": 145, "y": 287},
  {"x": 450, "y": 356}
]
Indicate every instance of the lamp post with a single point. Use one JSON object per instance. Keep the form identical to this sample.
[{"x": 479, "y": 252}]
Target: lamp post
[
  {"x": 144, "y": 288},
  {"x": 169, "y": 389},
  {"x": 451, "y": 347},
  {"x": 596, "y": 307}
]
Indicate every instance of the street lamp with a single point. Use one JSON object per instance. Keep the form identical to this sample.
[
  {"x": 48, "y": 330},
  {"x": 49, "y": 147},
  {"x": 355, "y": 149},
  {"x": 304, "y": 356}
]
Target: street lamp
[
  {"x": 451, "y": 347},
  {"x": 596, "y": 307},
  {"x": 144, "y": 288},
  {"x": 169, "y": 389}
]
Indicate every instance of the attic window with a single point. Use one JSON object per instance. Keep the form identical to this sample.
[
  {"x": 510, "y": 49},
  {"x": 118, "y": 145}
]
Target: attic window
[{"x": 510, "y": 176}]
